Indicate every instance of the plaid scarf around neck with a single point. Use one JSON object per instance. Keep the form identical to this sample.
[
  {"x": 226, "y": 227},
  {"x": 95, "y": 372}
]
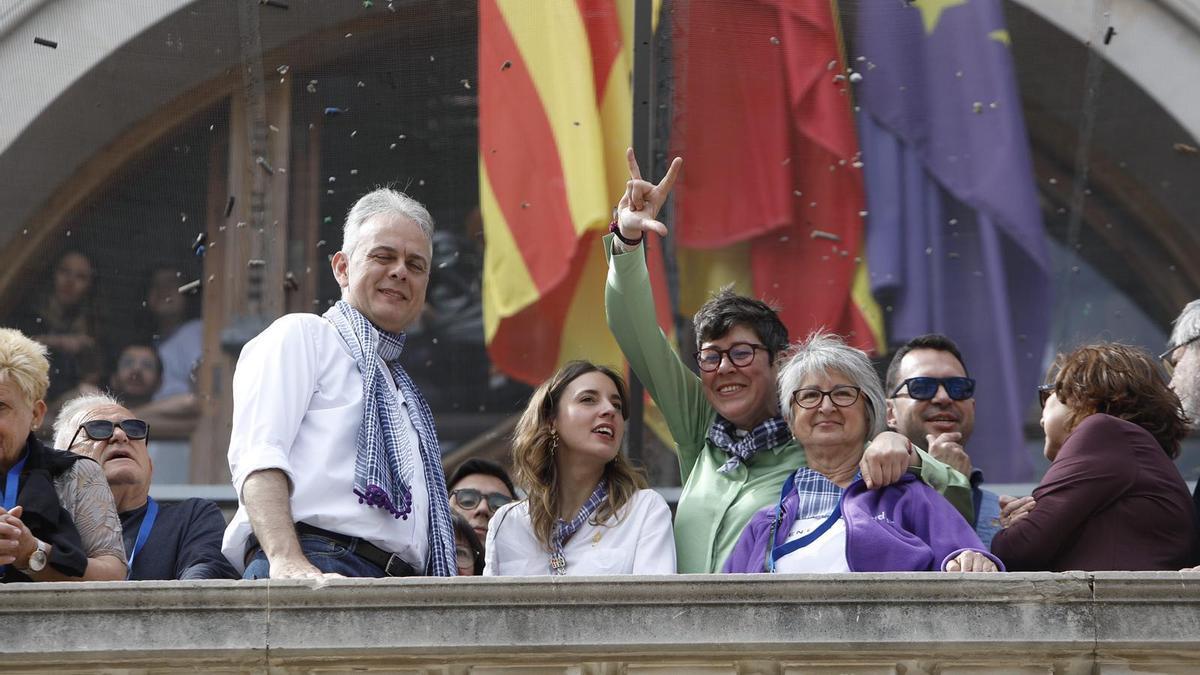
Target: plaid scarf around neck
[
  {"x": 767, "y": 434},
  {"x": 563, "y": 530},
  {"x": 385, "y": 464}
]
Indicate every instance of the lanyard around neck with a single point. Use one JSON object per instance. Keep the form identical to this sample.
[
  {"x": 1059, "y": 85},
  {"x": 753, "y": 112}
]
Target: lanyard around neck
[
  {"x": 143, "y": 533},
  {"x": 11, "y": 483}
]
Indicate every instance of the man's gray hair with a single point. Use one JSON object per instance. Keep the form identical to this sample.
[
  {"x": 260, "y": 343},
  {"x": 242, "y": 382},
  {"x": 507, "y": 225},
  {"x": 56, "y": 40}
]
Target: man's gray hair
[
  {"x": 384, "y": 201},
  {"x": 1187, "y": 324},
  {"x": 821, "y": 353},
  {"x": 76, "y": 412}
]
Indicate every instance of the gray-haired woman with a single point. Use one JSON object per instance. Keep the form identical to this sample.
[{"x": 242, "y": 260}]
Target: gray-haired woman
[{"x": 826, "y": 519}]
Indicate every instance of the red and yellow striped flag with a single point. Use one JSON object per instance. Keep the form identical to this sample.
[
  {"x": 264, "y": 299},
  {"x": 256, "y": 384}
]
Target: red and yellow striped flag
[{"x": 554, "y": 121}]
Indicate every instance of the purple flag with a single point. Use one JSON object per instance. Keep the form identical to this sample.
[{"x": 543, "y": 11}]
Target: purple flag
[{"x": 955, "y": 240}]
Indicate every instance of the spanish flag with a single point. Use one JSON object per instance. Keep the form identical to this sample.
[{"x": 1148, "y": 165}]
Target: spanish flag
[
  {"x": 555, "y": 109},
  {"x": 771, "y": 197}
]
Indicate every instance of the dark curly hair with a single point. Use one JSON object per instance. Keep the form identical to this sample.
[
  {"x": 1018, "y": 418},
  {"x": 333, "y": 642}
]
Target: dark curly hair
[
  {"x": 1124, "y": 382},
  {"x": 726, "y": 309}
]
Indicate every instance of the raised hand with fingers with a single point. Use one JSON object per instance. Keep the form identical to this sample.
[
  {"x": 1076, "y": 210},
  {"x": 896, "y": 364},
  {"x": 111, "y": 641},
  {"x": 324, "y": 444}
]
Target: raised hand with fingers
[{"x": 639, "y": 206}]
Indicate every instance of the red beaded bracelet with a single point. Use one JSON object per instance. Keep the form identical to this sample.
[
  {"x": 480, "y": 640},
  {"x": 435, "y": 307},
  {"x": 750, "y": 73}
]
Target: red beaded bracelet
[{"x": 612, "y": 227}]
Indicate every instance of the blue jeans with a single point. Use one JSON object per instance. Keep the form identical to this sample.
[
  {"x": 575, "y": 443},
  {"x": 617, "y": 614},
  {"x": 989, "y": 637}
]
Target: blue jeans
[{"x": 324, "y": 553}]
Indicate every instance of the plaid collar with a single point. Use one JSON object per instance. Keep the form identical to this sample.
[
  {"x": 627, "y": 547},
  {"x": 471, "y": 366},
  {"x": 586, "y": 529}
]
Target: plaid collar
[{"x": 742, "y": 448}]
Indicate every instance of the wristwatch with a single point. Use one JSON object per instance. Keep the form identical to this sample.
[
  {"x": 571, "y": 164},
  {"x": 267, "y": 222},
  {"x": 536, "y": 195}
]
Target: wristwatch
[{"x": 37, "y": 559}]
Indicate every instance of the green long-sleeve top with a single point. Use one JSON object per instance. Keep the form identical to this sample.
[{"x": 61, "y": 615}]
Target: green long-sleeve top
[{"x": 714, "y": 507}]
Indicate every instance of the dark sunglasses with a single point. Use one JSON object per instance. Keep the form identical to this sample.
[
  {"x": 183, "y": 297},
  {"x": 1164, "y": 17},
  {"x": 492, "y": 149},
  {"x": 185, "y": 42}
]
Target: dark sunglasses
[
  {"x": 469, "y": 498},
  {"x": 102, "y": 430},
  {"x": 925, "y": 388},
  {"x": 741, "y": 354},
  {"x": 1044, "y": 391},
  {"x": 1170, "y": 358}
]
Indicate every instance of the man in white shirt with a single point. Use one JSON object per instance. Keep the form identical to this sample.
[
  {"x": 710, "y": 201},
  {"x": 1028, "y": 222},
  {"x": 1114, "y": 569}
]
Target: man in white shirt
[{"x": 333, "y": 453}]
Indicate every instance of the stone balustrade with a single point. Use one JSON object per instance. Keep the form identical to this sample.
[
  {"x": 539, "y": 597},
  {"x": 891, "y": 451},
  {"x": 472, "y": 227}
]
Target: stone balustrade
[{"x": 873, "y": 623}]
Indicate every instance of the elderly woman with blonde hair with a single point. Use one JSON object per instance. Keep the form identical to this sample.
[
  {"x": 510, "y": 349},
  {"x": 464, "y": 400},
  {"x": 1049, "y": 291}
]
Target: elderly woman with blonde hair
[
  {"x": 57, "y": 521},
  {"x": 827, "y": 520}
]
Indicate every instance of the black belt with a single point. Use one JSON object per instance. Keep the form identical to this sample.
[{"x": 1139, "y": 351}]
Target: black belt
[{"x": 391, "y": 564}]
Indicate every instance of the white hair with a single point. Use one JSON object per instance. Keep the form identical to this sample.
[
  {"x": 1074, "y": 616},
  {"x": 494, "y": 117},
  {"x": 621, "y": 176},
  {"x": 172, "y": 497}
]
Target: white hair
[
  {"x": 383, "y": 201},
  {"x": 1187, "y": 324},
  {"x": 823, "y": 352},
  {"x": 76, "y": 412}
]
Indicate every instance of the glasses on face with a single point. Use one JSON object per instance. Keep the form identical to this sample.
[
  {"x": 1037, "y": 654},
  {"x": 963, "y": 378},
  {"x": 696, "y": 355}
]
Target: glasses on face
[
  {"x": 464, "y": 557},
  {"x": 1044, "y": 392},
  {"x": 741, "y": 354},
  {"x": 842, "y": 396},
  {"x": 1170, "y": 358},
  {"x": 469, "y": 498},
  {"x": 925, "y": 388},
  {"x": 102, "y": 430}
]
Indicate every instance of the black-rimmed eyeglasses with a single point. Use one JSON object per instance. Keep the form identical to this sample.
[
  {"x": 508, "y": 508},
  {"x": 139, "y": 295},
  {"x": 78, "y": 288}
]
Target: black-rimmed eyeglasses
[
  {"x": 842, "y": 396},
  {"x": 925, "y": 388},
  {"x": 102, "y": 430},
  {"x": 469, "y": 498},
  {"x": 1170, "y": 359},
  {"x": 741, "y": 354}
]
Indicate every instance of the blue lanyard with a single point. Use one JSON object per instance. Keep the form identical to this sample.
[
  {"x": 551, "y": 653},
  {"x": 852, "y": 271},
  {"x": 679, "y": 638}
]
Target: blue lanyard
[
  {"x": 776, "y": 552},
  {"x": 10, "y": 492},
  {"x": 10, "y": 484},
  {"x": 143, "y": 533}
]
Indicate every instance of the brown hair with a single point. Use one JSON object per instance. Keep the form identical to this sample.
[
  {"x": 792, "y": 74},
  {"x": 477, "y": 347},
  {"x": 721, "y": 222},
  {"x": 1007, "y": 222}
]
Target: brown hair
[
  {"x": 1124, "y": 382},
  {"x": 533, "y": 459}
]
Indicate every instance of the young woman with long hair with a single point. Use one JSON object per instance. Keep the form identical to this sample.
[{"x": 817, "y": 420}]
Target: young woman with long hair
[{"x": 588, "y": 510}]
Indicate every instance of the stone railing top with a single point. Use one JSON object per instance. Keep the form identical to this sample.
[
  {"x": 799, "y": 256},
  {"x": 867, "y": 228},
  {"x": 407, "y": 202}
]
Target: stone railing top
[{"x": 373, "y": 622}]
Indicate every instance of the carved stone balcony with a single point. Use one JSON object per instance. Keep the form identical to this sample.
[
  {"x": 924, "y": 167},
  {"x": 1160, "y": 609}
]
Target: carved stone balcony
[{"x": 876, "y": 623}]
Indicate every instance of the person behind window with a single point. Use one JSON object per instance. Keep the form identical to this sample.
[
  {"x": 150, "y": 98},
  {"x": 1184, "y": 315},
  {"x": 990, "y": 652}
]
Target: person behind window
[
  {"x": 136, "y": 375},
  {"x": 57, "y": 518},
  {"x": 169, "y": 541},
  {"x": 468, "y": 552},
  {"x": 63, "y": 318},
  {"x": 827, "y": 519},
  {"x": 477, "y": 488},
  {"x": 734, "y": 446},
  {"x": 588, "y": 510},
  {"x": 1112, "y": 498}
]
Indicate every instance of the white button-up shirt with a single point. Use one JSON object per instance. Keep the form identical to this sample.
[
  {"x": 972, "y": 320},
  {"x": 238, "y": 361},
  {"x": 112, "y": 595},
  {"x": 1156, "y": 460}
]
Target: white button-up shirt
[
  {"x": 640, "y": 542},
  {"x": 297, "y": 407}
]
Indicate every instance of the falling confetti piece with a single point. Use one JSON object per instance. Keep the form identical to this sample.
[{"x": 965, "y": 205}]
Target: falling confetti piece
[
  {"x": 278, "y": 4},
  {"x": 256, "y": 262},
  {"x": 229, "y": 206},
  {"x": 506, "y": 65},
  {"x": 977, "y": 107},
  {"x": 45, "y": 43},
  {"x": 311, "y": 87},
  {"x": 1108, "y": 35},
  {"x": 265, "y": 165},
  {"x": 856, "y": 77},
  {"x": 333, "y": 112},
  {"x": 774, "y": 40},
  {"x": 822, "y": 234},
  {"x": 189, "y": 287},
  {"x": 466, "y": 84},
  {"x": 1186, "y": 149}
]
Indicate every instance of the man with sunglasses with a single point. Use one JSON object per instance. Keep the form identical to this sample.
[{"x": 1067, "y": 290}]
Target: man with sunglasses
[
  {"x": 1182, "y": 362},
  {"x": 931, "y": 400},
  {"x": 477, "y": 488},
  {"x": 333, "y": 452},
  {"x": 162, "y": 541},
  {"x": 735, "y": 450}
]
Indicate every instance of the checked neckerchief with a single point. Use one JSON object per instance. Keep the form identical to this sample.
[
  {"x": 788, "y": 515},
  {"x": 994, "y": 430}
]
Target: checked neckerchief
[
  {"x": 767, "y": 434},
  {"x": 384, "y": 468},
  {"x": 563, "y": 530}
]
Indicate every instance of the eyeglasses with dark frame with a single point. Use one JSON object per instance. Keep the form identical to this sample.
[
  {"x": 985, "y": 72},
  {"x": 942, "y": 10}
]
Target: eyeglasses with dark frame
[
  {"x": 1169, "y": 359},
  {"x": 469, "y": 498},
  {"x": 102, "y": 430},
  {"x": 926, "y": 388},
  {"x": 842, "y": 396},
  {"x": 1044, "y": 392},
  {"x": 741, "y": 354}
]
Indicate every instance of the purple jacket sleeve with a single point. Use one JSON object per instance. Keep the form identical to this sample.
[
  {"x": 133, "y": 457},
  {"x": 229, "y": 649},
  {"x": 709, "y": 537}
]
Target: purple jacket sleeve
[{"x": 751, "y": 548}]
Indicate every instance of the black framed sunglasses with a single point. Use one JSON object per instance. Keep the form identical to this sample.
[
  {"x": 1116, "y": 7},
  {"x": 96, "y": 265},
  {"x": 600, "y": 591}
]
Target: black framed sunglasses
[
  {"x": 1044, "y": 392},
  {"x": 1170, "y": 359},
  {"x": 469, "y": 498},
  {"x": 842, "y": 396},
  {"x": 741, "y": 354},
  {"x": 925, "y": 388},
  {"x": 102, "y": 430}
]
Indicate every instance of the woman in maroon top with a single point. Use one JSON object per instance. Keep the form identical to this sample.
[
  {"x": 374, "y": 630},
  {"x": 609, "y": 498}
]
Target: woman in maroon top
[{"x": 1112, "y": 498}]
